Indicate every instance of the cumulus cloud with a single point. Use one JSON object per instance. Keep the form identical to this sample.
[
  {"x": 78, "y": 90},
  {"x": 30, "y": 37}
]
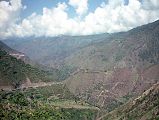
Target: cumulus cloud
[
  {"x": 52, "y": 22},
  {"x": 113, "y": 16},
  {"x": 81, "y": 6},
  {"x": 9, "y": 14}
]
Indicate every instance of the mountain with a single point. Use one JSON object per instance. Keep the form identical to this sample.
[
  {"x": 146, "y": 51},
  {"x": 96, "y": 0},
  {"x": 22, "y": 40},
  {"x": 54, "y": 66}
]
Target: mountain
[
  {"x": 144, "y": 107},
  {"x": 118, "y": 68},
  {"x": 14, "y": 53},
  {"x": 119, "y": 49},
  {"x": 105, "y": 70},
  {"x": 14, "y": 71},
  {"x": 52, "y": 51}
]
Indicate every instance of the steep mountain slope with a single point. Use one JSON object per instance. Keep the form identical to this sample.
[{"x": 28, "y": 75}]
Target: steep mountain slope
[
  {"x": 145, "y": 107},
  {"x": 14, "y": 72},
  {"x": 116, "y": 69}
]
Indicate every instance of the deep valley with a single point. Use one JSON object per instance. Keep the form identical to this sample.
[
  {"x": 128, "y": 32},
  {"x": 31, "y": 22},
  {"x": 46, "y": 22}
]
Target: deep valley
[{"x": 111, "y": 76}]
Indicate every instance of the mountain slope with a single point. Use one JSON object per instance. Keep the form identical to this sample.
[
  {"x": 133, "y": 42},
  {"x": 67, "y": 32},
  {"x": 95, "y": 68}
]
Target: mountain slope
[
  {"x": 14, "y": 72},
  {"x": 145, "y": 107},
  {"x": 117, "y": 69},
  {"x": 52, "y": 50},
  {"x": 127, "y": 48},
  {"x": 14, "y": 53}
]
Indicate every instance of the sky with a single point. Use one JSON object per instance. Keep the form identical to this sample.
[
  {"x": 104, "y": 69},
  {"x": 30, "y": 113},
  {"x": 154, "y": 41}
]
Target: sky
[{"x": 24, "y": 18}]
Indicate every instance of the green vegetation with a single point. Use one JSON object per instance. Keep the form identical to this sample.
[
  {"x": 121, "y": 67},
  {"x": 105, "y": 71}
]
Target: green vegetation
[
  {"x": 14, "y": 72},
  {"x": 54, "y": 92},
  {"x": 34, "y": 104},
  {"x": 64, "y": 72}
]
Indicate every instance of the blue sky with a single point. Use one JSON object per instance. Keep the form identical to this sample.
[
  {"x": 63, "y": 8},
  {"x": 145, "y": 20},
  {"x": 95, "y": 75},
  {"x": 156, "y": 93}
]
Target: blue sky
[
  {"x": 34, "y": 6},
  {"x": 23, "y": 18}
]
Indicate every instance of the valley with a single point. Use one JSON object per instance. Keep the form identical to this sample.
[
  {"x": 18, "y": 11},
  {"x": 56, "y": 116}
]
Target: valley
[{"x": 96, "y": 77}]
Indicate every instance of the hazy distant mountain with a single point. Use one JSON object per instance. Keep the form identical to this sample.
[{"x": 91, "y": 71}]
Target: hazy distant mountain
[{"x": 52, "y": 51}]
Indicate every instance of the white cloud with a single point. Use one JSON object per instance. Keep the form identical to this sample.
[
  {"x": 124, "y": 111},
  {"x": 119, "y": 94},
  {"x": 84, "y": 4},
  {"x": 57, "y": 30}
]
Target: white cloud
[
  {"x": 81, "y": 6},
  {"x": 150, "y": 4},
  {"x": 52, "y": 22},
  {"x": 9, "y": 14},
  {"x": 111, "y": 17}
]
